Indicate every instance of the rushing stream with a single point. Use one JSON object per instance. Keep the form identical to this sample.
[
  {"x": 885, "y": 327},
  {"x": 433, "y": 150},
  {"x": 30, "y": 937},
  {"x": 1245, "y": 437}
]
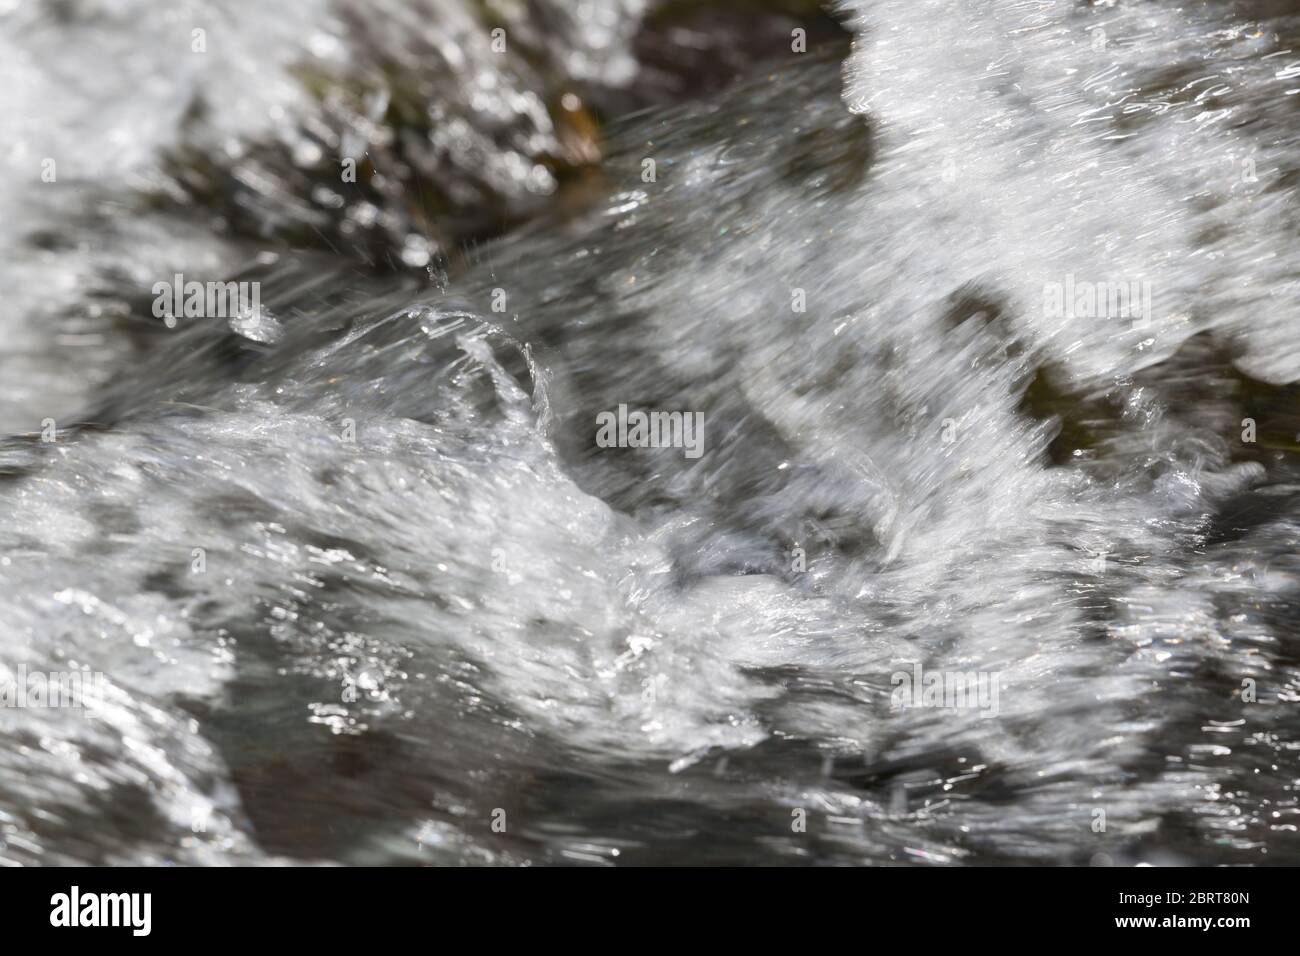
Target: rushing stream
[{"x": 991, "y": 320}]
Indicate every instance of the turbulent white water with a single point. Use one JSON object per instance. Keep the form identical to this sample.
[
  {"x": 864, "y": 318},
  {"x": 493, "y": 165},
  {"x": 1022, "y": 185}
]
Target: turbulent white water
[{"x": 362, "y": 584}]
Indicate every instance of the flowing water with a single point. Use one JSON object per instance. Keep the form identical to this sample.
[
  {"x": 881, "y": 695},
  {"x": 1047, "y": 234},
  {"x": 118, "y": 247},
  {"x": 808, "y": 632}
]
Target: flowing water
[{"x": 364, "y": 587}]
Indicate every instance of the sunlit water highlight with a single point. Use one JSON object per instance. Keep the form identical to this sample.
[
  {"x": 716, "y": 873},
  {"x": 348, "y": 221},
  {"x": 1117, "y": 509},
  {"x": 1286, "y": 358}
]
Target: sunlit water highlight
[{"x": 640, "y": 657}]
